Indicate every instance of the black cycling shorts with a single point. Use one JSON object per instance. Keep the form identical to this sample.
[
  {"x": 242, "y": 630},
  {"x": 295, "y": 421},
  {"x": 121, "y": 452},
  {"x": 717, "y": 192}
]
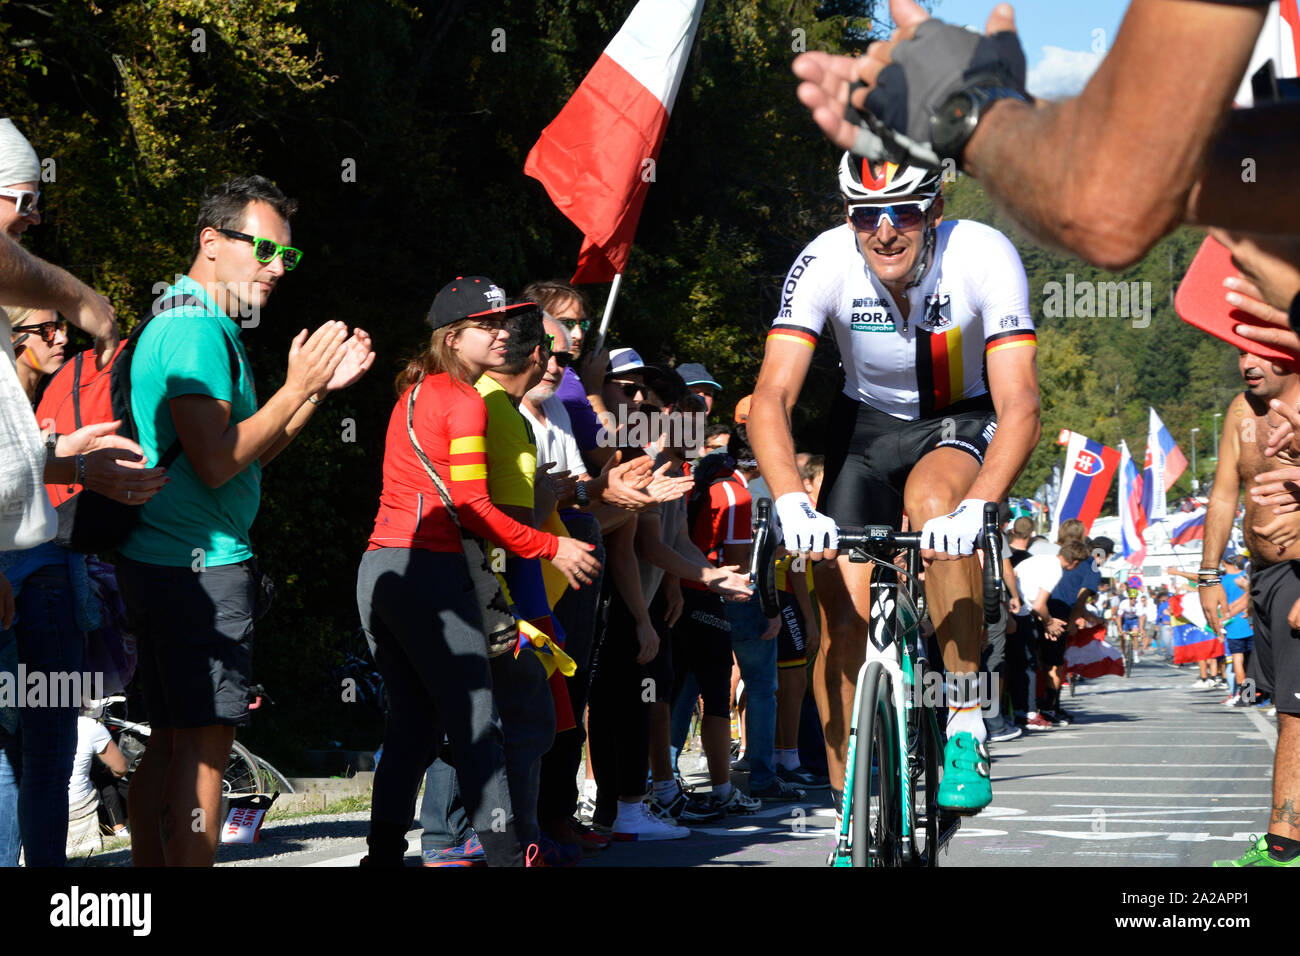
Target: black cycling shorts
[
  {"x": 702, "y": 646},
  {"x": 869, "y": 455}
]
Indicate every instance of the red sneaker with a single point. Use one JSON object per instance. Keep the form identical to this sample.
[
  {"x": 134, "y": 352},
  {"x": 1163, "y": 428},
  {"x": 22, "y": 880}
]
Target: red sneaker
[{"x": 1038, "y": 722}]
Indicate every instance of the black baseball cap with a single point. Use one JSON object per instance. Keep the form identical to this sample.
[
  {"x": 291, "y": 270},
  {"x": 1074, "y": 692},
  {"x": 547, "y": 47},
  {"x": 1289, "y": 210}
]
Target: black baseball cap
[{"x": 469, "y": 297}]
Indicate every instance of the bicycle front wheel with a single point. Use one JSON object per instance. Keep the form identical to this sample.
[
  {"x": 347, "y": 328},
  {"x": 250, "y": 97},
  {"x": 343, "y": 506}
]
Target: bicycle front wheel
[
  {"x": 247, "y": 773},
  {"x": 925, "y": 799},
  {"x": 876, "y": 788}
]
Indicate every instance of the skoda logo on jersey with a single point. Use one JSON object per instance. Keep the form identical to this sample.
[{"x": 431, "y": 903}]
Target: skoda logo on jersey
[
  {"x": 1088, "y": 464},
  {"x": 938, "y": 311}
]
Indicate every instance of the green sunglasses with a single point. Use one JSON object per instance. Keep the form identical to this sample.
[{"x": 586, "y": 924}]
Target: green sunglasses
[{"x": 267, "y": 249}]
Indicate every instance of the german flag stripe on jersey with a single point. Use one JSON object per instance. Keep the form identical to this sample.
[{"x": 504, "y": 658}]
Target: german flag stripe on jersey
[
  {"x": 1009, "y": 340},
  {"x": 468, "y": 458},
  {"x": 939, "y": 369},
  {"x": 793, "y": 333}
]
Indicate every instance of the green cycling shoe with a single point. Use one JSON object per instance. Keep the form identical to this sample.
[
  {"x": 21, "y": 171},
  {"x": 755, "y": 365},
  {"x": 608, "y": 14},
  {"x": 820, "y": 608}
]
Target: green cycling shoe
[
  {"x": 966, "y": 787},
  {"x": 1258, "y": 855}
]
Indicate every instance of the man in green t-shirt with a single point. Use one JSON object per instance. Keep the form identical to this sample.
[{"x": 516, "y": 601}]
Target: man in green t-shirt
[{"x": 187, "y": 573}]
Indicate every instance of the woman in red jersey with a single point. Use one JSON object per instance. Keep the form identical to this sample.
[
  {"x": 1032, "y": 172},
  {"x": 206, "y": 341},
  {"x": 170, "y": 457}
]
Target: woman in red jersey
[{"x": 417, "y": 601}]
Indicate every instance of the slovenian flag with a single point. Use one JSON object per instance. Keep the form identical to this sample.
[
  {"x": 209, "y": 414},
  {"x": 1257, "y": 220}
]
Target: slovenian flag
[
  {"x": 1133, "y": 517},
  {"x": 597, "y": 157},
  {"x": 1189, "y": 527},
  {"x": 1164, "y": 463},
  {"x": 1089, "y": 466}
]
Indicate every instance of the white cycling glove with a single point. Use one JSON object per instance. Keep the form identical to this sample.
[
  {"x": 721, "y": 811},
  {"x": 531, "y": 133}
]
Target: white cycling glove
[
  {"x": 958, "y": 533},
  {"x": 802, "y": 527}
]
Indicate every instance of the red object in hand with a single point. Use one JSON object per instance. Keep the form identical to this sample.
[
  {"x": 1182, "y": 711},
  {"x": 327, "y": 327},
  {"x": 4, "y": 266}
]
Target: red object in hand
[{"x": 1200, "y": 301}]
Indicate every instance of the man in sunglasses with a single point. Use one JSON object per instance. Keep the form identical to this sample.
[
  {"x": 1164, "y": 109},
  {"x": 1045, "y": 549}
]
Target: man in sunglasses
[
  {"x": 938, "y": 415},
  {"x": 190, "y": 551}
]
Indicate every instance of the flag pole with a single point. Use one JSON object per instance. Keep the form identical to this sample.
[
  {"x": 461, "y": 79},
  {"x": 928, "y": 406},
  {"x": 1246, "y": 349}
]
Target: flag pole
[{"x": 609, "y": 311}]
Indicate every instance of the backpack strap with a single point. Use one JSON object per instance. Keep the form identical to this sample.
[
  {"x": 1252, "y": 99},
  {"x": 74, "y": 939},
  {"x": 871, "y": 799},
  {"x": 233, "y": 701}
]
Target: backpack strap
[
  {"x": 76, "y": 390},
  {"x": 166, "y": 305}
]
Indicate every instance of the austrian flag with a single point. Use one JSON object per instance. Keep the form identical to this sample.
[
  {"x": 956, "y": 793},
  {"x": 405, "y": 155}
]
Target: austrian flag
[{"x": 597, "y": 157}]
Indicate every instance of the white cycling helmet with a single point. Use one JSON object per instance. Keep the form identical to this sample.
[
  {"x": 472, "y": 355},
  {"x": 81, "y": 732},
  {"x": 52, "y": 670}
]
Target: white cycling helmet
[
  {"x": 860, "y": 182},
  {"x": 887, "y": 183}
]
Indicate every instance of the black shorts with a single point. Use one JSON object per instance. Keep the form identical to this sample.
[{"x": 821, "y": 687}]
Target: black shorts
[
  {"x": 660, "y": 669},
  {"x": 1275, "y": 664},
  {"x": 792, "y": 639},
  {"x": 869, "y": 455},
  {"x": 194, "y": 634},
  {"x": 1051, "y": 653},
  {"x": 702, "y": 646}
]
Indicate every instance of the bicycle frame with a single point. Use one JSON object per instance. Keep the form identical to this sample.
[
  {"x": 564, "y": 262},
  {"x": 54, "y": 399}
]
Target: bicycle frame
[{"x": 894, "y": 627}]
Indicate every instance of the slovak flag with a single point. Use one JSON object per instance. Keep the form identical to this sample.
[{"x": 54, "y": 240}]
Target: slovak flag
[
  {"x": 1164, "y": 463},
  {"x": 597, "y": 158},
  {"x": 1133, "y": 517},
  {"x": 1089, "y": 466},
  {"x": 1189, "y": 527}
]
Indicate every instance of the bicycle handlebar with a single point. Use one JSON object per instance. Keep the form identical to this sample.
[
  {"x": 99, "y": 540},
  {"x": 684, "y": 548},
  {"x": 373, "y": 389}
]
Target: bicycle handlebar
[{"x": 875, "y": 540}]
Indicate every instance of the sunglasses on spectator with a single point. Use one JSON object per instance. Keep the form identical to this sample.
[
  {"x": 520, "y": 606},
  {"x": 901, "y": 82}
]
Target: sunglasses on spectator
[
  {"x": 901, "y": 215},
  {"x": 267, "y": 249},
  {"x": 24, "y": 200},
  {"x": 630, "y": 389},
  {"x": 562, "y": 359},
  {"x": 583, "y": 324},
  {"x": 46, "y": 330}
]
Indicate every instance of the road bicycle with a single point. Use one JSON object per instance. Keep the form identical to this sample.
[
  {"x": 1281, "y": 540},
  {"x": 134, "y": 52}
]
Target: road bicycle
[
  {"x": 246, "y": 773},
  {"x": 890, "y": 814}
]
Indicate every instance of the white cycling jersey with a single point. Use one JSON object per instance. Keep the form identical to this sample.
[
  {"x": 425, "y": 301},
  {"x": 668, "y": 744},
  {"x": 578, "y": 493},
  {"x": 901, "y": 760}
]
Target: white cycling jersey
[{"x": 973, "y": 300}]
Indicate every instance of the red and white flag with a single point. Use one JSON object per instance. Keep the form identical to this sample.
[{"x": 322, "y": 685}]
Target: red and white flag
[
  {"x": 597, "y": 158},
  {"x": 1089, "y": 655}
]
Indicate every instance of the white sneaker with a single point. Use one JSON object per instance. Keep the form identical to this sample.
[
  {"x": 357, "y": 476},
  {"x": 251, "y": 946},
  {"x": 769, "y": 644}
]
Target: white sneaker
[
  {"x": 1203, "y": 683},
  {"x": 642, "y": 824}
]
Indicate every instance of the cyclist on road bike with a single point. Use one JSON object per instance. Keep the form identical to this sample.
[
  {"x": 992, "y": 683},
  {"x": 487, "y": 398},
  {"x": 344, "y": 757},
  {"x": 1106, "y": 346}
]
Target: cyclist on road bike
[{"x": 938, "y": 415}]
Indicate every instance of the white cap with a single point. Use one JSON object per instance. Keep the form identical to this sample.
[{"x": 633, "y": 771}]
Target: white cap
[
  {"x": 18, "y": 162},
  {"x": 624, "y": 360}
]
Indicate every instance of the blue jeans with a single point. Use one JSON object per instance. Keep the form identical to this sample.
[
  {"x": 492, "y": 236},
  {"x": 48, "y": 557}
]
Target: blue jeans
[
  {"x": 757, "y": 661},
  {"x": 527, "y": 709},
  {"x": 39, "y": 757}
]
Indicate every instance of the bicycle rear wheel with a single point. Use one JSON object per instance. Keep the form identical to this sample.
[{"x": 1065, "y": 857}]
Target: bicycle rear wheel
[{"x": 876, "y": 794}]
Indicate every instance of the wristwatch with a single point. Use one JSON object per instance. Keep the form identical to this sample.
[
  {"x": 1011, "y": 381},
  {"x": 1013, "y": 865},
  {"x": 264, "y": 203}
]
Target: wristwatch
[
  {"x": 580, "y": 494},
  {"x": 955, "y": 119},
  {"x": 51, "y": 440}
]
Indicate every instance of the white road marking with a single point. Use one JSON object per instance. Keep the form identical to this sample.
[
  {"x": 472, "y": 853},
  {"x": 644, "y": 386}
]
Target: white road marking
[{"x": 1185, "y": 796}]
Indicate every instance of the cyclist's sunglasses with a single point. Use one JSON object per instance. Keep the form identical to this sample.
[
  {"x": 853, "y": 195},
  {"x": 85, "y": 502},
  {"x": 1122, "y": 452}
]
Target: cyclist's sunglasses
[
  {"x": 267, "y": 249},
  {"x": 901, "y": 215},
  {"x": 24, "y": 200},
  {"x": 46, "y": 330}
]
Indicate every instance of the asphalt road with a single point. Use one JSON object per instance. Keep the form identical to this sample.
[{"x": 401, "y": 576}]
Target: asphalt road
[{"x": 1153, "y": 773}]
